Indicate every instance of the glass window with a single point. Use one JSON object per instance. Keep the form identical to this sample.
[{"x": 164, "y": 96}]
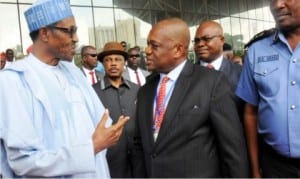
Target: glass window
[
  {"x": 253, "y": 28},
  {"x": 25, "y": 1},
  {"x": 236, "y": 34},
  {"x": 9, "y": 1},
  {"x": 171, "y": 5},
  {"x": 103, "y": 3},
  {"x": 157, "y": 16},
  {"x": 84, "y": 21},
  {"x": 226, "y": 25},
  {"x": 258, "y": 10},
  {"x": 260, "y": 26},
  {"x": 141, "y": 4},
  {"x": 80, "y": 2},
  {"x": 142, "y": 27},
  {"x": 125, "y": 27},
  {"x": 170, "y": 14},
  {"x": 123, "y": 3},
  {"x": 251, "y": 9},
  {"x": 267, "y": 14},
  {"x": 104, "y": 27},
  {"x": 10, "y": 31},
  {"x": 234, "y": 8},
  {"x": 243, "y": 8},
  {"x": 224, "y": 8},
  {"x": 201, "y": 6},
  {"x": 131, "y": 19},
  {"x": 188, "y": 6},
  {"x": 26, "y": 40},
  {"x": 157, "y": 5},
  {"x": 245, "y": 30},
  {"x": 213, "y": 7},
  {"x": 194, "y": 19}
]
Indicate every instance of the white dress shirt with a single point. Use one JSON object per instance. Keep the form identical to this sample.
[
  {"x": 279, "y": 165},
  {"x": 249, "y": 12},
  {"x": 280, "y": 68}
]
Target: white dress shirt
[{"x": 133, "y": 78}]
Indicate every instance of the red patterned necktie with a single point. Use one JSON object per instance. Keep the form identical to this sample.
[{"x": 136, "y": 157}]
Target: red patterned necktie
[
  {"x": 160, "y": 104},
  {"x": 92, "y": 77},
  {"x": 137, "y": 78},
  {"x": 210, "y": 66}
]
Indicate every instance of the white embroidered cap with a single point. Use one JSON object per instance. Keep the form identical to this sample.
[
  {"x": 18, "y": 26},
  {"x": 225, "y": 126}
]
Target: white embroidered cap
[{"x": 45, "y": 12}]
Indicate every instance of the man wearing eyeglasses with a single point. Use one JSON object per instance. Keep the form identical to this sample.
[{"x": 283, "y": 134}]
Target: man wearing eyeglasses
[
  {"x": 50, "y": 115},
  {"x": 89, "y": 63},
  {"x": 133, "y": 72},
  {"x": 208, "y": 46},
  {"x": 186, "y": 120}
]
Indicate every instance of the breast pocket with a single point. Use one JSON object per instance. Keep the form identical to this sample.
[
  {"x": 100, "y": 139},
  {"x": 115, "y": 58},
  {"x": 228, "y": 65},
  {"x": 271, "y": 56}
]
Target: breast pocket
[{"x": 267, "y": 79}]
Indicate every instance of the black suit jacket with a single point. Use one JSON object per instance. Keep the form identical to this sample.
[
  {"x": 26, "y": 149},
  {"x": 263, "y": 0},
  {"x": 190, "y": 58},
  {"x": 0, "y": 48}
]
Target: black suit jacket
[
  {"x": 232, "y": 71},
  {"x": 200, "y": 133}
]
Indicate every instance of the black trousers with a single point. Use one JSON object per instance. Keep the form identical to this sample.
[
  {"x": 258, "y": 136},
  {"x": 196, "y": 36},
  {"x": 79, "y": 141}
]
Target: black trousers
[{"x": 274, "y": 165}]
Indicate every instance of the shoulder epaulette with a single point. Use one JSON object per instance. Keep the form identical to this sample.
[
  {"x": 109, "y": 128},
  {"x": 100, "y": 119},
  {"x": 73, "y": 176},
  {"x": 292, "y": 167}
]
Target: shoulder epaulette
[{"x": 261, "y": 35}]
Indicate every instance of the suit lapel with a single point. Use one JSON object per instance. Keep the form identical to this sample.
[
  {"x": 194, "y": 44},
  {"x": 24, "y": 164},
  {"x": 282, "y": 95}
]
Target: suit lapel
[
  {"x": 224, "y": 66},
  {"x": 178, "y": 95},
  {"x": 126, "y": 74}
]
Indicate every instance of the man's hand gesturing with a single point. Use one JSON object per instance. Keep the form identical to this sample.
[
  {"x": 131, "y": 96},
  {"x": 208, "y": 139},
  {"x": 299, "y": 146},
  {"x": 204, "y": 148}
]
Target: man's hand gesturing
[{"x": 105, "y": 137}]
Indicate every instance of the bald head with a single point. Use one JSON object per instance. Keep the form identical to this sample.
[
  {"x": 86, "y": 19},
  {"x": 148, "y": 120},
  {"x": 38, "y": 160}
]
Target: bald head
[
  {"x": 209, "y": 41},
  {"x": 174, "y": 29},
  {"x": 210, "y": 26},
  {"x": 168, "y": 43}
]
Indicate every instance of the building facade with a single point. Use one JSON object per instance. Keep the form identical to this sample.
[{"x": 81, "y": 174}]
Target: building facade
[{"x": 100, "y": 21}]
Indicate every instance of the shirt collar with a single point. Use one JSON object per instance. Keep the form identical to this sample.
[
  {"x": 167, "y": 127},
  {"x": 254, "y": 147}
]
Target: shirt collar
[
  {"x": 216, "y": 63},
  {"x": 174, "y": 74},
  {"x": 86, "y": 71},
  {"x": 107, "y": 83},
  {"x": 130, "y": 69}
]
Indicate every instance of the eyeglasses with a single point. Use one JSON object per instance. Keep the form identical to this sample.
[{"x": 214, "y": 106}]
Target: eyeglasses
[
  {"x": 136, "y": 56},
  {"x": 71, "y": 31},
  {"x": 92, "y": 55},
  {"x": 206, "y": 39}
]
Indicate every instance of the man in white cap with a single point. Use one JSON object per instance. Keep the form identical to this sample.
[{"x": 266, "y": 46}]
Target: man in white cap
[{"x": 50, "y": 115}]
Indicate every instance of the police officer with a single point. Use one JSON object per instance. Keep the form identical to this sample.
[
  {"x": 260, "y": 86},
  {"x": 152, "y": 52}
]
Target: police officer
[{"x": 270, "y": 84}]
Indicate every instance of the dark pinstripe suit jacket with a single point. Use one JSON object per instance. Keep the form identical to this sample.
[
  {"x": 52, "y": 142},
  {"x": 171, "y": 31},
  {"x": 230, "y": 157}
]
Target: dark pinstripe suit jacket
[
  {"x": 232, "y": 71},
  {"x": 200, "y": 133}
]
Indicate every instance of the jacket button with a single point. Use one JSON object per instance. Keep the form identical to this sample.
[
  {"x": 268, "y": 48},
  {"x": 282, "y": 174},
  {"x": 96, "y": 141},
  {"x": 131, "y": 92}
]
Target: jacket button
[{"x": 153, "y": 155}]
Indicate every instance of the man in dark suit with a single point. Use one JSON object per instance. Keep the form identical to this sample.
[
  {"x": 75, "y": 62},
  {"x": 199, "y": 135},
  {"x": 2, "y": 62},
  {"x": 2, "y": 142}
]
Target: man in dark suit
[
  {"x": 193, "y": 131},
  {"x": 89, "y": 63},
  {"x": 208, "y": 46},
  {"x": 133, "y": 72}
]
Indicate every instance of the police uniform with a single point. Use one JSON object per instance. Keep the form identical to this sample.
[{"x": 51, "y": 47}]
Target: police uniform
[{"x": 270, "y": 81}]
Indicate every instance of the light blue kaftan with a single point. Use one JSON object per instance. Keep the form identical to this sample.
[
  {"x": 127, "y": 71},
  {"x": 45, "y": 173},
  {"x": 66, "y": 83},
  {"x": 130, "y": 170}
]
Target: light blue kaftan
[{"x": 47, "y": 117}]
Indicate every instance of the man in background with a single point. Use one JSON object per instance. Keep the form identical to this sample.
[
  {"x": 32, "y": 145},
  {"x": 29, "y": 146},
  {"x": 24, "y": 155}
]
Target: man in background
[
  {"x": 227, "y": 51},
  {"x": 10, "y": 57},
  {"x": 2, "y": 60},
  {"x": 89, "y": 63},
  {"x": 133, "y": 72},
  {"x": 119, "y": 96},
  {"x": 208, "y": 46},
  {"x": 124, "y": 45}
]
